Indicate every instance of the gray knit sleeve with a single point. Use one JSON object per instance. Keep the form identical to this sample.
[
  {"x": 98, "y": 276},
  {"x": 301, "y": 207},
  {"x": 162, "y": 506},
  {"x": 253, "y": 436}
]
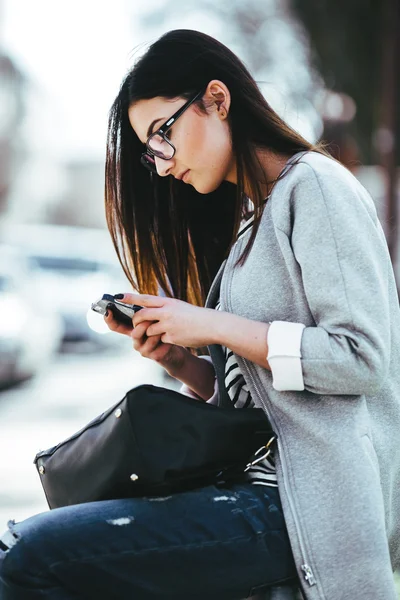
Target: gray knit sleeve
[{"x": 345, "y": 267}]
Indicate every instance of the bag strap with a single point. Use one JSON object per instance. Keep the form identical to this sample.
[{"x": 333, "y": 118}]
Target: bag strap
[{"x": 218, "y": 359}]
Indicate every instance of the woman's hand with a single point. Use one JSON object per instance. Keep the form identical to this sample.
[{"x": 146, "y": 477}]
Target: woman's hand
[
  {"x": 171, "y": 357},
  {"x": 115, "y": 325},
  {"x": 173, "y": 321},
  {"x": 197, "y": 374},
  {"x": 183, "y": 324}
]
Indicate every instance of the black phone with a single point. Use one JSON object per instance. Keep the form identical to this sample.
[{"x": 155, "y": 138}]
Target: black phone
[{"x": 121, "y": 312}]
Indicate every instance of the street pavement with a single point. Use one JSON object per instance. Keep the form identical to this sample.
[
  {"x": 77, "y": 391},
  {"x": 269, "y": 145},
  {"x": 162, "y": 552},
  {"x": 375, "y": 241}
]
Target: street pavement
[{"x": 75, "y": 388}]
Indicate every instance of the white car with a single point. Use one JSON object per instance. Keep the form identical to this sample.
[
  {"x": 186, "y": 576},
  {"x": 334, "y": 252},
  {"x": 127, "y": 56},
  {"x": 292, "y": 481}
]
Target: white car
[
  {"x": 71, "y": 268},
  {"x": 30, "y": 335}
]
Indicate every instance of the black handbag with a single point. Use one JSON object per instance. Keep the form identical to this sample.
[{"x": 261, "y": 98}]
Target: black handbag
[{"x": 154, "y": 441}]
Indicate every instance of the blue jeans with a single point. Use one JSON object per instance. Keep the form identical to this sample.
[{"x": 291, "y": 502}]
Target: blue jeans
[{"x": 214, "y": 543}]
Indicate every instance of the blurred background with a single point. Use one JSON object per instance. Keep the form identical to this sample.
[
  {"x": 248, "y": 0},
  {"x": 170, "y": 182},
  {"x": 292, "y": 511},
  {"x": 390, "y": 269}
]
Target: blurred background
[{"x": 331, "y": 69}]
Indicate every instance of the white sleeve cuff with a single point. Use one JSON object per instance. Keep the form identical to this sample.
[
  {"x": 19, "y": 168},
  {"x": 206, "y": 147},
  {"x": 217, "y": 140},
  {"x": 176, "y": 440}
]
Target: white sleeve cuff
[
  {"x": 188, "y": 392},
  {"x": 284, "y": 343}
]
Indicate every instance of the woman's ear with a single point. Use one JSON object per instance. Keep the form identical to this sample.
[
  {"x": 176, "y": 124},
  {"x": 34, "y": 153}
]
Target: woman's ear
[{"x": 218, "y": 95}]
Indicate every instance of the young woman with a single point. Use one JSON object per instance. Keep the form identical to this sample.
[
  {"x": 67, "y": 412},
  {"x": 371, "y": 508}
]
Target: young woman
[{"x": 269, "y": 252}]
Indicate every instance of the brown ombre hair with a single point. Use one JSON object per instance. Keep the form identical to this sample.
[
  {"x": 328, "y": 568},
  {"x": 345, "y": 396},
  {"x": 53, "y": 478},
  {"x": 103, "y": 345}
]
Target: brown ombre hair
[{"x": 166, "y": 234}]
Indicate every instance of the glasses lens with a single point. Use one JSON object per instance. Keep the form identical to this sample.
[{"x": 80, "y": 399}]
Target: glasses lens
[
  {"x": 160, "y": 147},
  {"x": 148, "y": 162}
]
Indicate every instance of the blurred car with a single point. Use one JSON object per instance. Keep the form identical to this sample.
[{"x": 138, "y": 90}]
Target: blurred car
[
  {"x": 71, "y": 268},
  {"x": 29, "y": 334}
]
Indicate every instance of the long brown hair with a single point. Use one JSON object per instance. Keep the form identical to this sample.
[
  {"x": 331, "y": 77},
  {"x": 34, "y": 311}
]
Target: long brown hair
[{"x": 166, "y": 234}]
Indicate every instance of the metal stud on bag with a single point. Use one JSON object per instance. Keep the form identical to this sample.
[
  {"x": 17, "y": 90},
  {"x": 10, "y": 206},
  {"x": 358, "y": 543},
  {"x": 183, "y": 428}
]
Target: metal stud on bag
[
  {"x": 41, "y": 469},
  {"x": 118, "y": 413},
  {"x": 134, "y": 477}
]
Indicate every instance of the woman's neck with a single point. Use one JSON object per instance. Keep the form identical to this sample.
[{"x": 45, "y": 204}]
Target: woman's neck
[{"x": 271, "y": 166}]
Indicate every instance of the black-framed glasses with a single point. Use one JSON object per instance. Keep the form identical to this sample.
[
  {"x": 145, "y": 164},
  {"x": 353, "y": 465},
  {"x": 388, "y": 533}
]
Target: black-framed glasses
[{"x": 158, "y": 144}]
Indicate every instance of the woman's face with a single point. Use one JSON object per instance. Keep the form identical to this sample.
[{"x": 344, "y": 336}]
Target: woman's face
[{"x": 202, "y": 141}]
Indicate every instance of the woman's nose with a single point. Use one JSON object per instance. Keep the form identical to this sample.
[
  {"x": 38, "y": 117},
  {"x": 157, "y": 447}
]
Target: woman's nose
[{"x": 163, "y": 166}]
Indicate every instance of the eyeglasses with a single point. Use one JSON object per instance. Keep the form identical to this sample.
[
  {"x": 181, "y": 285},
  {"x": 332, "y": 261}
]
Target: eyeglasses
[{"x": 158, "y": 144}]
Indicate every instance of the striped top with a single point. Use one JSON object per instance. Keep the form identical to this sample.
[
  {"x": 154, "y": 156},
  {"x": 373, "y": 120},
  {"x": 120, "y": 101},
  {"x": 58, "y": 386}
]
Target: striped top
[{"x": 263, "y": 473}]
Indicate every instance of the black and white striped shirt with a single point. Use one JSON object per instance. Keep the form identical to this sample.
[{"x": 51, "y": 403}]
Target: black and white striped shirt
[{"x": 264, "y": 473}]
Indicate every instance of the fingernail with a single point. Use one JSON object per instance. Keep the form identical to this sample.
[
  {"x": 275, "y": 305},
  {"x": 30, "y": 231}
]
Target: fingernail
[{"x": 119, "y": 296}]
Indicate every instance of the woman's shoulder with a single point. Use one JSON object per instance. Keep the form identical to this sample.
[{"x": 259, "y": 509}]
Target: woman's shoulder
[
  {"x": 311, "y": 165},
  {"x": 315, "y": 181},
  {"x": 316, "y": 187}
]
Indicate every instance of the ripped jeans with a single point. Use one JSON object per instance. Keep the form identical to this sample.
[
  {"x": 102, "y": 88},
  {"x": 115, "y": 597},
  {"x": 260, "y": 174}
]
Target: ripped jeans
[{"x": 214, "y": 543}]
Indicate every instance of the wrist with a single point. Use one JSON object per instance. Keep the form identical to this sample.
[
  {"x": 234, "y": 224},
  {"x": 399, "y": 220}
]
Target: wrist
[
  {"x": 199, "y": 376},
  {"x": 226, "y": 328},
  {"x": 174, "y": 366},
  {"x": 244, "y": 337}
]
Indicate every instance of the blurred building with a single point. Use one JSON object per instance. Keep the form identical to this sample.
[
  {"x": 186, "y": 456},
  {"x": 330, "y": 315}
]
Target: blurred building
[
  {"x": 82, "y": 202},
  {"x": 11, "y": 114},
  {"x": 31, "y": 175}
]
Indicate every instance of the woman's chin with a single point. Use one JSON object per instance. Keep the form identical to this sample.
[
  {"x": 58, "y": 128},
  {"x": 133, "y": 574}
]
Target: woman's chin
[{"x": 206, "y": 187}]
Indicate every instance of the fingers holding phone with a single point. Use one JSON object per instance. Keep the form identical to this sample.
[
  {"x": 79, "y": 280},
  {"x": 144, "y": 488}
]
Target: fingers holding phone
[
  {"x": 115, "y": 325},
  {"x": 118, "y": 315}
]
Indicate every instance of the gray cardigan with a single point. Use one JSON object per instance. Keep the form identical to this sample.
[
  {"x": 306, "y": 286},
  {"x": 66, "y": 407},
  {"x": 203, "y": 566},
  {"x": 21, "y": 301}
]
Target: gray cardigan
[{"x": 320, "y": 258}]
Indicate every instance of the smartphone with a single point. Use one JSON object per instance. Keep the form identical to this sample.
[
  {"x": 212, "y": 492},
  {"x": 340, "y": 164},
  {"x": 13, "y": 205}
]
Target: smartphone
[{"x": 121, "y": 312}]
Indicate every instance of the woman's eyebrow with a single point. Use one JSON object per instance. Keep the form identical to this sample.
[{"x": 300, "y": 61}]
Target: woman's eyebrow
[{"x": 150, "y": 129}]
